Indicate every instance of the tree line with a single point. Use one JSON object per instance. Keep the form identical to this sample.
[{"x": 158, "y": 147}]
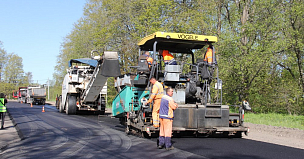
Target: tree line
[
  {"x": 12, "y": 75},
  {"x": 260, "y": 47}
]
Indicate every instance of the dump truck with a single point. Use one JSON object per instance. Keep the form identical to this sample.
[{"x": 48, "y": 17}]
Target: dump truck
[
  {"x": 36, "y": 95},
  {"x": 21, "y": 93},
  {"x": 84, "y": 87},
  {"x": 197, "y": 88}
]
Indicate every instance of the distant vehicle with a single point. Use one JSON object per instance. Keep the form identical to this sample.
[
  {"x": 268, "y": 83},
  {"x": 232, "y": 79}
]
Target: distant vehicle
[
  {"x": 15, "y": 94},
  {"x": 84, "y": 87},
  {"x": 36, "y": 95},
  {"x": 21, "y": 94}
]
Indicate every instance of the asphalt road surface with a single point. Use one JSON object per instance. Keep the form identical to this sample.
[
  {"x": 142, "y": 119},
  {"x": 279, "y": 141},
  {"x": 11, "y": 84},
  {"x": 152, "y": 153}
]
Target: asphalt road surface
[{"x": 51, "y": 134}]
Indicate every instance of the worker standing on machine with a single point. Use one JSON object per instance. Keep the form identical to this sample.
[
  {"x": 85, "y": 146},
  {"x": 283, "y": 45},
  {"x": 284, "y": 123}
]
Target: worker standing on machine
[
  {"x": 156, "y": 95},
  {"x": 166, "y": 115},
  {"x": 209, "y": 55},
  {"x": 149, "y": 59}
]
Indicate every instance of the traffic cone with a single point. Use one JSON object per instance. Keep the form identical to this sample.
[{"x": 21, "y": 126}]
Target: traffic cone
[
  {"x": 43, "y": 109},
  {"x": 31, "y": 104},
  {"x": 21, "y": 102}
]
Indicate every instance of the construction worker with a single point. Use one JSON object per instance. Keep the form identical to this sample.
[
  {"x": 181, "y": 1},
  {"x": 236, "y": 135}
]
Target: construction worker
[
  {"x": 75, "y": 69},
  {"x": 168, "y": 58},
  {"x": 3, "y": 101},
  {"x": 166, "y": 115},
  {"x": 156, "y": 95},
  {"x": 149, "y": 59},
  {"x": 209, "y": 55}
]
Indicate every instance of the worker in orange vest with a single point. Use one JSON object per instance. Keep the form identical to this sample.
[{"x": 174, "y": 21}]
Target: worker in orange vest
[
  {"x": 156, "y": 95},
  {"x": 166, "y": 116},
  {"x": 209, "y": 55},
  {"x": 149, "y": 59},
  {"x": 168, "y": 58}
]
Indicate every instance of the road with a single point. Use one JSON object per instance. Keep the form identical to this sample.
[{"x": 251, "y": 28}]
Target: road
[{"x": 51, "y": 134}]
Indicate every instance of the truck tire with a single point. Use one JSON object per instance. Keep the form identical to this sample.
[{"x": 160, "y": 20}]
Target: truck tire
[
  {"x": 61, "y": 109},
  {"x": 238, "y": 134},
  {"x": 103, "y": 106},
  {"x": 58, "y": 102},
  {"x": 70, "y": 105}
]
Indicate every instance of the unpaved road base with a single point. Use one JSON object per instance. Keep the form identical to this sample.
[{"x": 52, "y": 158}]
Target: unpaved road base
[{"x": 277, "y": 135}]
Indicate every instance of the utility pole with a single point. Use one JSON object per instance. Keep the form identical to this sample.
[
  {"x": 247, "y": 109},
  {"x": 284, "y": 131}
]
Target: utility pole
[{"x": 48, "y": 89}]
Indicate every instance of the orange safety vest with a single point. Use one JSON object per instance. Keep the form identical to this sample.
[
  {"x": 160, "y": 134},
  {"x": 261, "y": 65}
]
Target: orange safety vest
[
  {"x": 150, "y": 60},
  {"x": 209, "y": 55},
  {"x": 167, "y": 56},
  {"x": 157, "y": 91}
]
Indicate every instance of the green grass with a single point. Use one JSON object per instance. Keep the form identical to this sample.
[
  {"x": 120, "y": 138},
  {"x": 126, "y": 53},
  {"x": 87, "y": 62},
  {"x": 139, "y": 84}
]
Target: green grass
[{"x": 289, "y": 121}]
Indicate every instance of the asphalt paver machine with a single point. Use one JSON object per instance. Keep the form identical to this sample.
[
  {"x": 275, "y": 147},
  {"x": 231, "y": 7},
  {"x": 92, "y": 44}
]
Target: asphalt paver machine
[{"x": 197, "y": 88}]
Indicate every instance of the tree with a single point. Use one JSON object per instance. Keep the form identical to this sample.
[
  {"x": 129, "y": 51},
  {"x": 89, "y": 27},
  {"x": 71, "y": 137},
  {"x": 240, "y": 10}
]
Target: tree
[
  {"x": 28, "y": 78},
  {"x": 290, "y": 57},
  {"x": 3, "y": 56},
  {"x": 260, "y": 48},
  {"x": 11, "y": 71},
  {"x": 14, "y": 69},
  {"x": 247, "y": 44}
]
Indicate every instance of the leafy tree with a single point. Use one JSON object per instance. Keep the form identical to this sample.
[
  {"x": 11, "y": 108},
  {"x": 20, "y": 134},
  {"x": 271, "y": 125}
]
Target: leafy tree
[
  {"x": 14, "y": 69},
  {"x": 290, "y": 56},
  {"x": 3, "y": 56},
  {"x": 28, "y": 78},
  {"x": 260, "y": 48},
  {"x": 11, "y": 71}
]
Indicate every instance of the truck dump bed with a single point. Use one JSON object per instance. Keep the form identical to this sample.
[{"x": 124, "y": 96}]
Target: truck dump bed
[{"x": 37, "y": 92}]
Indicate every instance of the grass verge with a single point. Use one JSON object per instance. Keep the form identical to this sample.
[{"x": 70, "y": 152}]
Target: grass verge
[{"x": 289, "y": 121}]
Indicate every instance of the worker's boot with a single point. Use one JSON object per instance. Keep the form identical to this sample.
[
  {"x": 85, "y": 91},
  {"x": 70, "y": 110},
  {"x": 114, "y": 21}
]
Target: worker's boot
[
  {"x": 168, "y": 143},
  {"x": 161, "y": 142}
]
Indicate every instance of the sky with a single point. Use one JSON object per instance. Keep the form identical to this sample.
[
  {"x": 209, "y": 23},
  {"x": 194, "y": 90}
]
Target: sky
[{"x": 35, "y": 30}]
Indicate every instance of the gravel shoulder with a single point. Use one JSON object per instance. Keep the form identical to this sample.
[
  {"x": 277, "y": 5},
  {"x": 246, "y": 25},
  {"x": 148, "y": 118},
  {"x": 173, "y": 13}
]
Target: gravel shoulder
[{"x": 277, "y": 135}]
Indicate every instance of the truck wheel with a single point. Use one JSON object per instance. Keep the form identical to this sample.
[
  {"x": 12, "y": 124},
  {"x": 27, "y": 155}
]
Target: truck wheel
[
  {"x": 238, "y": 134},
  {"x": 58, "y": 102},
  {"x": 100, "y": 112},
  {"x": 71, "y": 105},
  {"x": 61, "y": 110}
]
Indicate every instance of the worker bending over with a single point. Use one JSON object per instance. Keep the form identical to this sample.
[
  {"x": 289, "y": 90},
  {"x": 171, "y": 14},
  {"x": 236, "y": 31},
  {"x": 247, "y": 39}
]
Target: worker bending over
[
  {"x": 166, "y": 115},
  {"x": 168, "y": 58}
]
